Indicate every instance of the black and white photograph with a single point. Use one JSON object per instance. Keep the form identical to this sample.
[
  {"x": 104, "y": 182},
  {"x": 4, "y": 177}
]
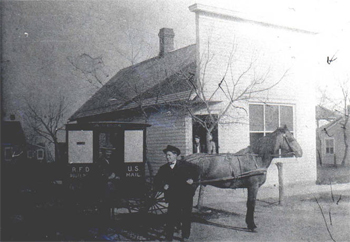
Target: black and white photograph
[{"x": 175, "y": 120}]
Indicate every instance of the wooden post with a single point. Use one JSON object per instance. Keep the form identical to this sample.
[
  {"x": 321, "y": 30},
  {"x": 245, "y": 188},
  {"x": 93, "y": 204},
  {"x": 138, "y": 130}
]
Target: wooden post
[{"x": 280, "y": 183}]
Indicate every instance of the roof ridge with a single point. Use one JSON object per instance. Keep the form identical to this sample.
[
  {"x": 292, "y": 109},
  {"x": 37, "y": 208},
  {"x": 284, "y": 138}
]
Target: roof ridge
[
  {"x": 152, "y": 58},
  {"x": 331, "y": 123}
]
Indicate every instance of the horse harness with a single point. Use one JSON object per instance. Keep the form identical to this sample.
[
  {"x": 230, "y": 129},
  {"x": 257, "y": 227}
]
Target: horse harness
[{"x": 239, "y": 174}]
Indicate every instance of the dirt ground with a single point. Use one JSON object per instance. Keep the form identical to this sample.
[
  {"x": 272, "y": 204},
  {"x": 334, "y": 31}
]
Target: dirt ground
[
  {"x": 299, "y": 219},
  {"x": 315, "y": 213}
]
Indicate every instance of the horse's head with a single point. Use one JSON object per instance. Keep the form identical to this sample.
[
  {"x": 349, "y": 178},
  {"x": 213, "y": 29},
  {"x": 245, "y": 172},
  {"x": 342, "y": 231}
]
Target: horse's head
[{"x": 286, "y": 142}]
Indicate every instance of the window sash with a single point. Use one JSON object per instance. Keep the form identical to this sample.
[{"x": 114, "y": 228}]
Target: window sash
[
  {"x": 266, "y": 118},
  {"x": 8, "y": 153},
  {"x": 40, "y": 154},
  {"x": 267, "y": 113},
  {"x": 329, "y": 146},
  {"x": 30, "y": 154}
]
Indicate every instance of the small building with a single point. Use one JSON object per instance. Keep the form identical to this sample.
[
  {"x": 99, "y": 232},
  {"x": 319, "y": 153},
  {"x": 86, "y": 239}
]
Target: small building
[
  {"x": 13, "y": 143},
  {"x": 333, "y": 142}
]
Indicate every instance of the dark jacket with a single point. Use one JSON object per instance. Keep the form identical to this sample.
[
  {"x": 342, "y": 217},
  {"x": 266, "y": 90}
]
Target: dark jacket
[
  {"x": 177, "y": 178},
  {"x": 105, "y": 169},
  {"x": 201, "y": 148}
]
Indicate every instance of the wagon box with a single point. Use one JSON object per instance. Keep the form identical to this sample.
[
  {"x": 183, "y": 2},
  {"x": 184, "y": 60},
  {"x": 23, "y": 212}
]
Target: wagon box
[{"x": 86, "y": 142}]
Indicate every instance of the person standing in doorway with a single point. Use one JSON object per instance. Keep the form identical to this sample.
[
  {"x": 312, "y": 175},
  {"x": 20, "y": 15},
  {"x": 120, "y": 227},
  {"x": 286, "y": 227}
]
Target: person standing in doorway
[
  {"x": 177, "y": 179},
  {"x": 197, "y": 146},
  {"x": 212, "y": 145}
]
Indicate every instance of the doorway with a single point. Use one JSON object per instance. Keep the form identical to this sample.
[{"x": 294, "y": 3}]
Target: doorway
[{"x": 199, "y": 130}]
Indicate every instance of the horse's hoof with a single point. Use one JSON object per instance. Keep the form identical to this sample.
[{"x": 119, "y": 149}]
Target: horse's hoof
[
  {"x": 251, "y": 230},
  {"x": 252, "y": 227}
]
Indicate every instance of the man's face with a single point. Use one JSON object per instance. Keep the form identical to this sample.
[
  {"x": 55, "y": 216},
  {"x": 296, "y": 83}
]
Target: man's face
[
  {"x": 197, "y": 140},
  {"x": 170, "y": 156}
]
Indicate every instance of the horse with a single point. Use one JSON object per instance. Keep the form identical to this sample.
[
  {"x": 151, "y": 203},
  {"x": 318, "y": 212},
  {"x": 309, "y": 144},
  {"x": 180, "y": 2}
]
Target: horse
[{"x": 245, "y": 169}]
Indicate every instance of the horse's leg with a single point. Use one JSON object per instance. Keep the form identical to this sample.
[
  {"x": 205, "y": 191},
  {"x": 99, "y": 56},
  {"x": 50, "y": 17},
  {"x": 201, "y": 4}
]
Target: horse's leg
[{"x": 252, "y": 192}]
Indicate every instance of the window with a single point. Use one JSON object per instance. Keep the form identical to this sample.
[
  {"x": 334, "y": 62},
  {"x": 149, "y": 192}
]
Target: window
[
  {"x": 8, "y": 153},
  {"x": 264, "y": 119},
  {"x": 329, "y": 146},
  {"x": 133, "y": 146},
  {"x": 30, "y": 154},
  {"x": 40, "y": 154},
  {"x": 80, "y": 146}
]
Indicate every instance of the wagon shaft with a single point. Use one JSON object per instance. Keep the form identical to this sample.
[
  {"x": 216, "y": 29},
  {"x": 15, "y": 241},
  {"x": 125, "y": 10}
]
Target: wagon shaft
[{"x": 243, "y": 175}]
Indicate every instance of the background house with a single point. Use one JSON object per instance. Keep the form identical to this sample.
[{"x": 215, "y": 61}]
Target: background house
[
  {"x": 13, "y": 143},
  {"x": 163, "y": 91},
  {"x": 331, "y": 146},
  {"x": 37, "y": 153},
  {"x": 325, "y": 116}
]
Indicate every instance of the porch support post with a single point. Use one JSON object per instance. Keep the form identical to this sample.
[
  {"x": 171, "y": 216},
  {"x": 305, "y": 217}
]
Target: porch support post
[{"x": 280, "y": 183}]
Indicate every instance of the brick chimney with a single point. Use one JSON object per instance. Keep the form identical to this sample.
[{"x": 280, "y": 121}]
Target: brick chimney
[{"x": 166, "y": 41}]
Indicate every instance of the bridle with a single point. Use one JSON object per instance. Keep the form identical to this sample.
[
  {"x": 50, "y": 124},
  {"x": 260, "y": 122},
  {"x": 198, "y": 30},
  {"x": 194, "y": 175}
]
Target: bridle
[{"x": 289, "y": 146}]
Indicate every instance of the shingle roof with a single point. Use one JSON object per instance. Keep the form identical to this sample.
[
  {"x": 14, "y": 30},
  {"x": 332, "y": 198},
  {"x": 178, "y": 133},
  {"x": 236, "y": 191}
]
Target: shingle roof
[
  {"x": 324, "y": 113},
  {"x": 332, "y": 123},
  {"x": 12, "y": 133},
  {"x": 179, "y": 96},
  {"x": 158, "y": 76}
]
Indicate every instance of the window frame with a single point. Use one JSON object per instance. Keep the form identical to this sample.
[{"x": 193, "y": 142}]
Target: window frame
[
  {"x": 6, "y": 150},
  {"x": 30, "y": 154},
  {"x": 265, "y": 132},
  {"x": 38, "y": 151},
  {"x": 327, "y": 147}
]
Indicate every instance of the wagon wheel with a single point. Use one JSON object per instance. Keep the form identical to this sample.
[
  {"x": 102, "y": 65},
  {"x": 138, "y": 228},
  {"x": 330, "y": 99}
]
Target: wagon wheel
[
  {"x": 156, "y": 204},
  {"x": 134, "y": 205}
]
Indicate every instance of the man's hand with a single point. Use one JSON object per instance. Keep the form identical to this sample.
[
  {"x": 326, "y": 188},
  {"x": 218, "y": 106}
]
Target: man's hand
[
  {"x": 166, "y": 187},
  {"x": 190, "y": 181},
  {"x": 112, "y": 176}
]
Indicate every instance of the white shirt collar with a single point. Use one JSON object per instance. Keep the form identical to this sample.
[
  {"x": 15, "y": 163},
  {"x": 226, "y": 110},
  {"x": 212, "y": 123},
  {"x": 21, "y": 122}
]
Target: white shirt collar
[{"x": 173, "y": 165}]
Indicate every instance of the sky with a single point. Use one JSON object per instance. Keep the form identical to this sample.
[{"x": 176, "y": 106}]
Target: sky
[{"x": 55, "y": 48}]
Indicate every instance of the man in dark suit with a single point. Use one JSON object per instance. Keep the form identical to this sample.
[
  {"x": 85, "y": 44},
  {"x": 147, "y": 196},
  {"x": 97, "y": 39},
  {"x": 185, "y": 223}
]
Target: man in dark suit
[
  {"x": 197, "y": 146},
  {"x": 109, "y": 175},
  {"x": 176, "y": 179}
]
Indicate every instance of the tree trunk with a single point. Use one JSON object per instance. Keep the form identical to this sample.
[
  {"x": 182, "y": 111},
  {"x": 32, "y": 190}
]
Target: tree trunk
[
  {"x": 201, "y": 187},
  {"x": 345, "y": 140},
  {"x": 57, "y": 153},
  {"x": 207, "y": 140}
]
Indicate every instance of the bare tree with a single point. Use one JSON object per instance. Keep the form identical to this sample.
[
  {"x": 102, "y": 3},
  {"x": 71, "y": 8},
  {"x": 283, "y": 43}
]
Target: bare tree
[
  {"x": 131, "y": 47},
  {"x": 92, "y": 68},
  {"x": 232, "y": 90},
  {"x": 46, "y": 121},
  {"x": 342, "y": 107},
  {"x": 135, "y": 48},
  {"x": 345, "y": 89}
]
